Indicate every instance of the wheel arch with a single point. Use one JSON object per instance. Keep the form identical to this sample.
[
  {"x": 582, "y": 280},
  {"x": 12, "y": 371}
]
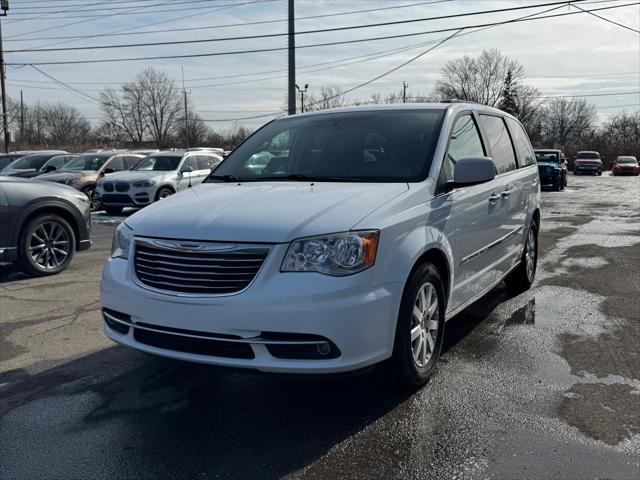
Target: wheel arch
[
  {"x": 164, "y": 185},
  {"x": 52, "y": 209},
  {"x": 439, "y": 259}
]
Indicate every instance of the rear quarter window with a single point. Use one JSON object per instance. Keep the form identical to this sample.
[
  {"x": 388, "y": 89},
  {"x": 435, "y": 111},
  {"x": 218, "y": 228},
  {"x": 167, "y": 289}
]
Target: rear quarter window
[
  {"x": 521, "y": 142},
  {"x": 501, "y": 147}
]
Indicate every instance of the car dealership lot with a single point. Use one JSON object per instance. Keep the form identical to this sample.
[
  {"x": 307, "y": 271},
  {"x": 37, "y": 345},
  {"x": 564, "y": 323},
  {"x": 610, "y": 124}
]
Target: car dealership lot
[{"x": 543, "y": 385}]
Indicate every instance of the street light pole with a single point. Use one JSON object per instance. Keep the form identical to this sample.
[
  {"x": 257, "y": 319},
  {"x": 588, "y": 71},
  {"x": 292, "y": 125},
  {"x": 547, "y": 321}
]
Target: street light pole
[
  {"x": 4, "y": 5},
  {"x": 302, "y": 92}
]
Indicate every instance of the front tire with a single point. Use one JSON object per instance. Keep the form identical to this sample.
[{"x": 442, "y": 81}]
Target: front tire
[
  {"x": 46, "y": 245},
  {"x": 163, "y": 193},
  {"x": 557, "y": 185},
  {"x": 420, "y": 327},
  {"x": 91, "y": 193},
  {"x": 521, "y": 279}
]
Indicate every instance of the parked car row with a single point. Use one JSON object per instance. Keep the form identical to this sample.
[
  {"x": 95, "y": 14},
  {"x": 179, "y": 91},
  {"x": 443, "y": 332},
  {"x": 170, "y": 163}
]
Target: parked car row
[
  {"x": 156, "y": 178},
  {"x": 553, "y": 168}
]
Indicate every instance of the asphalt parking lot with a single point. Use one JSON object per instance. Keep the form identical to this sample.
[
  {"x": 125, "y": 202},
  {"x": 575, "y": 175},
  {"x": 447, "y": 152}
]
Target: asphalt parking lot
[{"x": 543, "y": 385}]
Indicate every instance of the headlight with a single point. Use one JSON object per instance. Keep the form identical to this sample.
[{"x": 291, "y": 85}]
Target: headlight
[
  {"x": 337, "y": 254},
  {"x": 121, "y": 241},
  {"x": 71, "y": 181},
  {"x": 144, "y": 184}
]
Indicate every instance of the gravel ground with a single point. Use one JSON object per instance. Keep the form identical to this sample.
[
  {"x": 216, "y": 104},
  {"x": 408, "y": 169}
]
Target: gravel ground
[{"x": 542, "y": 385}]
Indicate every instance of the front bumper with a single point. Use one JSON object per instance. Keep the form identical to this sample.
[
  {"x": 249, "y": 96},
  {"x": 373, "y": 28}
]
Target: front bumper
[
  {"x": 358, "y": 319},
  {"x": 588, "y": 168},
  {"x": 133, "y": 197},
  {"x": 626, "y": 171},
  {"x": 549, "y": 178}
]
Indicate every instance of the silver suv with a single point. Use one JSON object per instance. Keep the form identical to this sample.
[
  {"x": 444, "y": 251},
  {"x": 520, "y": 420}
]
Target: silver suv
[{"x": 159, "y": 175}]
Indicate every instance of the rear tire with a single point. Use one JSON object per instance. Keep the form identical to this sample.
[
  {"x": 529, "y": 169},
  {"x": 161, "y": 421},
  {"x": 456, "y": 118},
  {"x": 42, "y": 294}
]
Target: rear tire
[
  {"x": 557, "y": 184},
  {"x": 113, "y": 210},
  {"x": 420, "y": 328},
  {"x": 46, "y": 245},
  {"x": 521, "y": 279}
]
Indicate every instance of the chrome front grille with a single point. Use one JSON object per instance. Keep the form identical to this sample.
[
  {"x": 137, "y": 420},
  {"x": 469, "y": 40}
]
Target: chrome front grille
[
  {"x": 122, "y": 187},
  {"x": 197, "y": 268}
]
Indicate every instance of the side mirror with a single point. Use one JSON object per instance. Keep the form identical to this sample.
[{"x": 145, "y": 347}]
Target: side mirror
[
  {"x": 108, "y": 170},
  {"x": 186, "y": 169},
  {"x": 50, "y": 168},
  {"x": 473, "y": 170}
]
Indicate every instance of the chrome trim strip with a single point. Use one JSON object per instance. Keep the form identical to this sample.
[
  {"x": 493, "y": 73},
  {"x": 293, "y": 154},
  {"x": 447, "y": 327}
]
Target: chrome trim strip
[
  {"x": 254, "y": 340},
  {"x": 493, "y": 244},
  {"x": 186, "y": 246}
]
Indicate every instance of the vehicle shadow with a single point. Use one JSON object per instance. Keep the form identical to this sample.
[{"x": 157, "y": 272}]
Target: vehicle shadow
[{"x": 134, "y": 415}]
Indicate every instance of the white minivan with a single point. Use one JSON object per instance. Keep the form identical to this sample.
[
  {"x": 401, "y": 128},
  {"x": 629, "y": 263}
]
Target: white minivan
[{"x": 366, "y": 229}]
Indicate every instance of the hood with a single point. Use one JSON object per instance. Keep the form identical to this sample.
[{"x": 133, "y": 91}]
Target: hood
[
  {"x": 133, "y": 176},
  {"x": 262, "y": 212},
  {"x": 61, "y": 176}
]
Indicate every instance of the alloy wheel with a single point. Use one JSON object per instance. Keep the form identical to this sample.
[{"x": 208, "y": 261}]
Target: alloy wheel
[
  {"x": 424, "y": 324},
  {"x": 530, "y": 253},
  {"x": 49, "y": 245}
]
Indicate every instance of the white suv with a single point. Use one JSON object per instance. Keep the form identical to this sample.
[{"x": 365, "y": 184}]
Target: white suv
[
  {"x": 156, "y": 177},
  {"x": 365, "y": 231}
]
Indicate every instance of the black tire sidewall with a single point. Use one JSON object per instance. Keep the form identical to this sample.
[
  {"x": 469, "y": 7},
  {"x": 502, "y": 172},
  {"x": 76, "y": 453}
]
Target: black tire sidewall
[
  {"x": 24, "y": 258},
  {"x": 113, "y": 210},
  {"x": 412, "y": 375},
  {"x": 163, "y": 189}
]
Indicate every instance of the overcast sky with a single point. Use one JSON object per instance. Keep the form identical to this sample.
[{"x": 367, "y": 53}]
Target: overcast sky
[{"x": 571, "y": 55}]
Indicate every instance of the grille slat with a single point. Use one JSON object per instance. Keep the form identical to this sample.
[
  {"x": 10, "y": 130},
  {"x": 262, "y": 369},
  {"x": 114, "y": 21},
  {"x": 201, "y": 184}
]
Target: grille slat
[
  {"x": 108, "y": 187},
  {"x": 197, "y": 272},
  {"x": 122, "y": 187}
]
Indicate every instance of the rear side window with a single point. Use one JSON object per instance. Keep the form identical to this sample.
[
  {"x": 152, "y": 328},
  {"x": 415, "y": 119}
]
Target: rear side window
[
  {"x": 58, "y": 162},
  {"x": 465, "y": 142},
  {"x": 522, "y": 144},
  {"x": 192, "y": 162},
  {"x": 117, "y": 164},
  {"x": 130, "y": 162},
  {"x": 501, "y": 147},
  {"x": 204, "y": 162}
]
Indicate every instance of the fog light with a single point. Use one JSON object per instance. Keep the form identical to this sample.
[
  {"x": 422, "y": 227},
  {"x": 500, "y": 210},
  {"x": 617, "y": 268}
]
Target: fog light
[{"x": 323, "y": 349}]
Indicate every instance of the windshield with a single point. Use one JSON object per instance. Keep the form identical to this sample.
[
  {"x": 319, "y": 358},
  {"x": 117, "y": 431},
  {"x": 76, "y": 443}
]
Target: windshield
[
  {"x": 589, "y": 155},
  {"x": 6, "y": 160},
  {"x": 626, "y": 160},
  {"x": 547, "y": 157},
  {"x": 31, "y": 162},
  {"x": 160, "y": 163},
  {"x": 85, "y": 162},
  {"x": 373, "y": 146}
]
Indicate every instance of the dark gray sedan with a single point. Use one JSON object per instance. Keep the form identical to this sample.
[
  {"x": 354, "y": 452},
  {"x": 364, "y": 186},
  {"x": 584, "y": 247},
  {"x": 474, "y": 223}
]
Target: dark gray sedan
[{"x": 43, "y": 224}]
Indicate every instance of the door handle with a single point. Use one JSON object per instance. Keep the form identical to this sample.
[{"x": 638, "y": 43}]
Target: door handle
[
  {"x": 506, "y": 193},
  {"x": 494, "y": 198}
]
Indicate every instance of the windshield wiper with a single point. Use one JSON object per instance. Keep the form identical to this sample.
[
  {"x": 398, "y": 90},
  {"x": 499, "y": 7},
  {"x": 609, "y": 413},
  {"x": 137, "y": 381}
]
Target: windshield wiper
[
  {"x": 224, "y": 178},
  {"x": 300, "y": 177}
]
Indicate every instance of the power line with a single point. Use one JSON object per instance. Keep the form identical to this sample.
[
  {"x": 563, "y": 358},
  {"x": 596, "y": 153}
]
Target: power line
[
  {"x": 611, "y": 94},
  {"x": 607, "y": 20},
  {"x": 242, "y": 24},
  {"x": 274, "y": 49},
  {"x": 303, "y": 32},
  {"x": 18, "y": 10}
]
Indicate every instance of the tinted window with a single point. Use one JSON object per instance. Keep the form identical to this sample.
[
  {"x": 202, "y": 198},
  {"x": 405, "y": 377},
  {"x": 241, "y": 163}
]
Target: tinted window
[
  {"x": 589, "y": 155},
  {"x": 547, "y": 157},
  {"x": 31, "y": 161},
  {"x": 465, "y": 142},
  {"x": 162, "y": 163},
  {"x": 377, "y": 146},
  {"x": 501, "y": 147},
  {"x": 192, "y": 162},
  {"x": 86, "y": 162},
  {"x": 130, "y": 162},
  {"x": 522, "y": 143},
  {"x": 116, "y": 164},
  {"x": 57, "y": 162},
  {"x": 205, "y": 162}
]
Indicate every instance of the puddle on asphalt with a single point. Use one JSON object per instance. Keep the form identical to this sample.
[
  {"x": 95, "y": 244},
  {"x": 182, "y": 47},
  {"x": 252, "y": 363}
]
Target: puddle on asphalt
[{"x": 524, "y": 315}]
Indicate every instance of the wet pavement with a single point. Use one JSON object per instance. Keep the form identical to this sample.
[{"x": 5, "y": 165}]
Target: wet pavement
[{"x": 542, "y": 385}]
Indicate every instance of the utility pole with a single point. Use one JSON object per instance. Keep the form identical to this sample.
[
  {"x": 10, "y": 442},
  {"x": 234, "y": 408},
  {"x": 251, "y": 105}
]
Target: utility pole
[
  {"x": 21, "y": 119},
  {"x": 4, "y": 5},
  {"x": 302, "y": 92},
  {"x": 404, "y": 91},
  {"x": 292, "y": 60},
  {"x": 186, "y": 111}
]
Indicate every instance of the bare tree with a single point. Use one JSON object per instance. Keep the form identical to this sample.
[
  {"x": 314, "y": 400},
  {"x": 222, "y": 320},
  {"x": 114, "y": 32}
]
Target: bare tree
[
  {"x": 194, "y": 131},
  {"x": 477, "y": 79},
  {"x": 327, "y": 97},
  {"x": 565, "y": 120},
  {"x": 125, "y": 110},
  {"x": 162, "y": 104},
  {"x": 65, "y": 125}
]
